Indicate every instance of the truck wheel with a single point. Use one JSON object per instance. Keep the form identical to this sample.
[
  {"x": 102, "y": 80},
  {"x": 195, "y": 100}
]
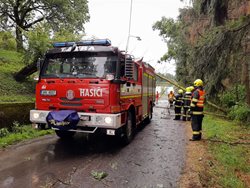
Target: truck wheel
[
  {"x": 150, "y": 115},
  {"x": 128, "y": 129},
  {"x": 65, "y": 134}
]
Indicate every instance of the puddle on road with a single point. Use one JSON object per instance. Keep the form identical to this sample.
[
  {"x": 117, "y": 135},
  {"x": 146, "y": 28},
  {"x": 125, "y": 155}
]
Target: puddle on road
[
  {"x": 8, "y": 182},
  {"x": 154, "y": 159}
]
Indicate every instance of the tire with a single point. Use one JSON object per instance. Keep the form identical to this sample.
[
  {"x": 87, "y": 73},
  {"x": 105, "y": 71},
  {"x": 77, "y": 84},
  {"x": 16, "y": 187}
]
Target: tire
[
  {"x": 150, "y": 115},
  {"x": 128, "y": 132},
  {"x": 65, "y": 134},
  {"x": 42, "y": 126}
]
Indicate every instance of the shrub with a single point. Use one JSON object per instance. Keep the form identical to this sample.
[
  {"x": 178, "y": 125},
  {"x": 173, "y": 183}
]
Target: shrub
[
  {"x": 3, "y": 132},
  {"x": 7, "y": 41},
  {"x": 16, "y": 127},
  {"x": 236, "y": 95},
  {"x": 240, "y": 112}
]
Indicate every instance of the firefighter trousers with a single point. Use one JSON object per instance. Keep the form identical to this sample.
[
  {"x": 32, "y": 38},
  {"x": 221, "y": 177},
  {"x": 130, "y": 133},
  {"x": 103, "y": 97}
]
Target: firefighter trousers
[
  {"x": 185, "y": 115},
  {"x": 197, "y": 126},
  {"x": 177, "y": 111}
]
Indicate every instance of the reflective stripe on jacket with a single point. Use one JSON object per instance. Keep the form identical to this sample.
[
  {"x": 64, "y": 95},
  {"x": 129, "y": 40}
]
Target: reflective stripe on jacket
[
  {"x": 178, "y": 101},
  {"x": 187, "y": 99},
  {"x": 197, "y": 101}
]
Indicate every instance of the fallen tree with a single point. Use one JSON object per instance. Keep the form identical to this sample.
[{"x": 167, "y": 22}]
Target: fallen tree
[
  {"x": 26, "y": 71},
  {"x": 181, "y": 87}
]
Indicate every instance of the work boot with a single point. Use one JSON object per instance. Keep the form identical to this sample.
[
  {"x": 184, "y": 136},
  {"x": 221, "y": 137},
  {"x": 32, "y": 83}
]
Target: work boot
[{"x": 191, "y": 139}]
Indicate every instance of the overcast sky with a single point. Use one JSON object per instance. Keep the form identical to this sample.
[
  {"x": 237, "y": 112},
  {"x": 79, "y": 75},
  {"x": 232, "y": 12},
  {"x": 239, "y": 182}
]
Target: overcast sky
[{"x": 110, "y": 19}]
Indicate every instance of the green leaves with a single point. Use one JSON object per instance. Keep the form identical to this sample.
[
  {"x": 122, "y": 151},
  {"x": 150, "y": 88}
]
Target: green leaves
[
  {"x": 7, "y": 41},
  {"x": 99, "y": 175},
  {"x": 170, "y": 30},
  {"x": 67, "y": 14},
  {"x": 58, "y": 14},
  {"x": 203, "y": 50}
]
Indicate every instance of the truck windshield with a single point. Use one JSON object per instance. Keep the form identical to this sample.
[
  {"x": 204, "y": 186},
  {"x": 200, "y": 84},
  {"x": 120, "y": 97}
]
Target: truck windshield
[{"x": 79, "y": 65}]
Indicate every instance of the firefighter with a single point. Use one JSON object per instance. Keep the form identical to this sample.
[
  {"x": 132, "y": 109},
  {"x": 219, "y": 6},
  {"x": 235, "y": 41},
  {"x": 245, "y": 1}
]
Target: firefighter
[
  {"x": 157, "y": 97},
  {"x": 192, "y": 89},
  {"x": 178, "y": 104},
  {"x": 171, "y": 97},
  {"x": 186, "y": 103},
  {"x": 196, "y": 109}
]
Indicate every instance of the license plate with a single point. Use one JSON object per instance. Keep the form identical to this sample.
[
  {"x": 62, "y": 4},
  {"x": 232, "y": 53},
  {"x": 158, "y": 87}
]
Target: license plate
[{"x": 110, "y": 132}]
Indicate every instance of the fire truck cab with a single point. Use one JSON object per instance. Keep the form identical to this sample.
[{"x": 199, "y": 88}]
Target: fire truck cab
[{"x": 106, "y": 87}]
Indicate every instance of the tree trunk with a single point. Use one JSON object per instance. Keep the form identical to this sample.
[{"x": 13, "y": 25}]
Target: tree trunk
[
  {"x": 246, "y": 71},
  {"x": 26, "y": 71},
  {"x": 19, "y": 39},
  {"x": 246, "y": 80}
]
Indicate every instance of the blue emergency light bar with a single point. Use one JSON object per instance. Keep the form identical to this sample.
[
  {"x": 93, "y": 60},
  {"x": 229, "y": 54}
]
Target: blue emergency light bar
[
  {"x": 63, "y": 44},
  {"x": 98, "y": 42}
]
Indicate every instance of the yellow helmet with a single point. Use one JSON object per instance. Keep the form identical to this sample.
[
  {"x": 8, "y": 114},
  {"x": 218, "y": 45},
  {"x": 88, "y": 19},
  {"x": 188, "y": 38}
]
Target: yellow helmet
[
  {"x": 191, "y": 88},
  {"x": 188, "y": 89},
  {"x": 180, "y": 91},
  {"x": 198, "y": 83}
]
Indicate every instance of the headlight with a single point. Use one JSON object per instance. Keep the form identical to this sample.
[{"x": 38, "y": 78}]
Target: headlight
[
  {"x": 39, "y": 115},
  {"x": 108, "y": 120},
  {"x": 48, "y": 92},
  {"x": 99, "y": 119},
  {"x": 35, "y": 115}
]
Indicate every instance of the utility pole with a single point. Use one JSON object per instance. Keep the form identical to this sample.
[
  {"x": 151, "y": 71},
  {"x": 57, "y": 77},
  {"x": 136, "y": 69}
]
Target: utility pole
[{"x": 129, "y": 27}]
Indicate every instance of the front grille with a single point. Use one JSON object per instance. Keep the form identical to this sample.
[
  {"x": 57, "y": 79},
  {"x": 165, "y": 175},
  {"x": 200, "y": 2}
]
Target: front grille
[
  {"x": 70, "y": 104},
  {"x": 65, "y": 99}
]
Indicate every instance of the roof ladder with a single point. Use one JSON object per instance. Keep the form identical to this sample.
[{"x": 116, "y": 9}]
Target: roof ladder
[{"x": 129, "y": 69}]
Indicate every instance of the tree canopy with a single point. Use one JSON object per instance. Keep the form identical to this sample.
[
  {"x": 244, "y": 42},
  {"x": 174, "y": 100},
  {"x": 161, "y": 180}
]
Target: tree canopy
[
  {"x": 206, "y": 45},
  {"x": 21, "y": 15}
]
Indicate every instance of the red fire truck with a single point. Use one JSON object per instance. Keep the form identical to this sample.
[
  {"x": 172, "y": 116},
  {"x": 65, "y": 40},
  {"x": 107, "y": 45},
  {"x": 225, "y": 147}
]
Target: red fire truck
[{"x": 109, "y": 89}]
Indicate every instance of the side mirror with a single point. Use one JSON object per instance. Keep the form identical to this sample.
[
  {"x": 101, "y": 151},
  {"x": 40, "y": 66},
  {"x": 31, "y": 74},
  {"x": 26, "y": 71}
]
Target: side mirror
[
  {"x": 36, "y": 78},
  {"x": 39, "y": 64}
]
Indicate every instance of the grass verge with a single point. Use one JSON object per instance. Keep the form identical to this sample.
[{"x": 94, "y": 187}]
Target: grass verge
[
  {"x": 11, "y": 90},
  {"x": 20, "y": 133},
  {"x": 228, "y": 163}
]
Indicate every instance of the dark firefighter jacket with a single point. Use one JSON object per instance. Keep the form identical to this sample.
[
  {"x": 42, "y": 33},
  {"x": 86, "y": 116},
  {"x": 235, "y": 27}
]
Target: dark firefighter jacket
[
  {"x": 178, "y": 101},
  {"x": 187, "y": 99}
]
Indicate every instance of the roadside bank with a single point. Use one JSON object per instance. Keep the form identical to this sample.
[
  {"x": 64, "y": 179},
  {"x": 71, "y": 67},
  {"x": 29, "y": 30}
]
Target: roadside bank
[{"x": 15, "y": 112}]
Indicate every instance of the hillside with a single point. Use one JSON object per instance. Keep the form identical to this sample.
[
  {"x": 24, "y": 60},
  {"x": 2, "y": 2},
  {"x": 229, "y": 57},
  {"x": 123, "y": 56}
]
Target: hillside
[{"x": 10, "y": 90}]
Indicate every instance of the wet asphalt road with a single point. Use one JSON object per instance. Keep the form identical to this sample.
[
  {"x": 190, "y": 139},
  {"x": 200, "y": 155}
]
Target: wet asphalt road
[{"x": 155, "y": 158}]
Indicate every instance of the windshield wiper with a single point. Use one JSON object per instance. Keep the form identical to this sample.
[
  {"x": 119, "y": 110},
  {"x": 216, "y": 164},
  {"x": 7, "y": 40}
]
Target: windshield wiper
[{"x": 50, "y": 76}]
